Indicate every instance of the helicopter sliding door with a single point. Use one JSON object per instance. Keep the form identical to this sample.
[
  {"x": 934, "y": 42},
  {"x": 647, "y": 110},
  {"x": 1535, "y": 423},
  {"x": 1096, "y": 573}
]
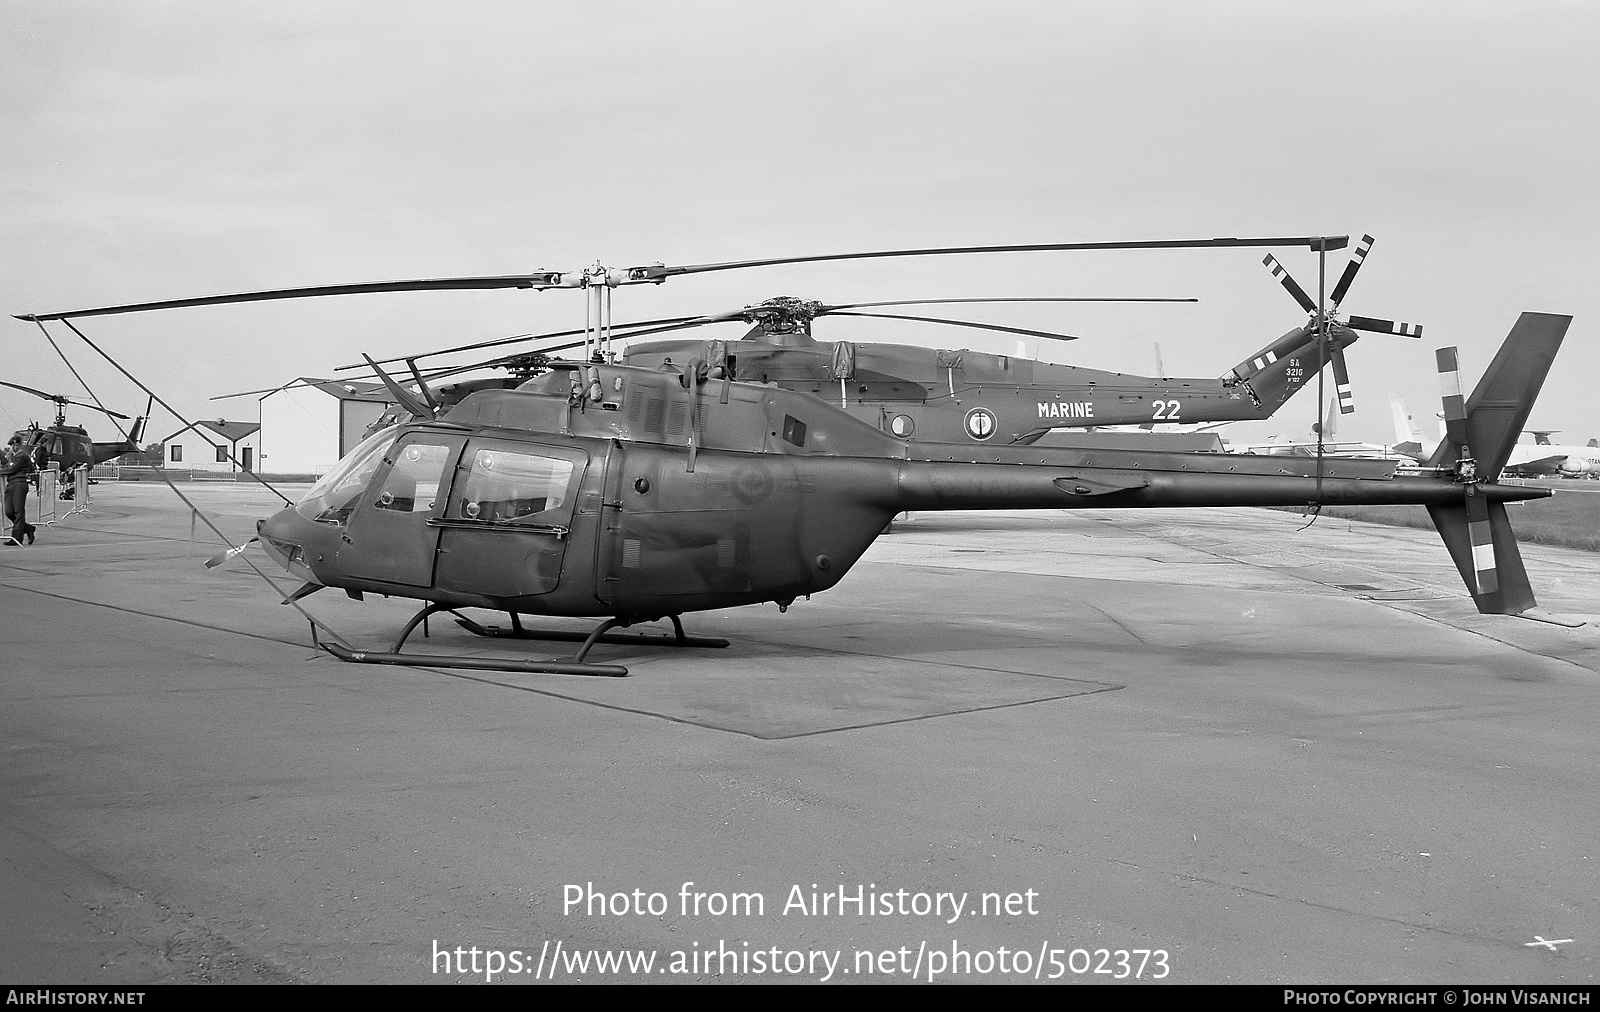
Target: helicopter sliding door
[
  {"x": 504, "y": 531},
  {"x": 389, "y": 536}
]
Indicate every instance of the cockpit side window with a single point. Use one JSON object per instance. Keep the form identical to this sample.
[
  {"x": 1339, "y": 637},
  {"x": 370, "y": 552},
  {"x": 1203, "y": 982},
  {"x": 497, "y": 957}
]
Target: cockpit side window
[
  {"x": 412, "y": 485},
  {"x": 507, "y": 486}
]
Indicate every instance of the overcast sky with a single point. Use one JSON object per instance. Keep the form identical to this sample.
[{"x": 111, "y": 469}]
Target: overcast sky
[{"x": 161, "y": 150}]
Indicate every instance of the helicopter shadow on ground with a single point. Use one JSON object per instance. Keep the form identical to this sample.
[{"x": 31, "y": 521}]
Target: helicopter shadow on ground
[
  {"x": 779, "y": 679},
  {"x": 871, "y": 656}
]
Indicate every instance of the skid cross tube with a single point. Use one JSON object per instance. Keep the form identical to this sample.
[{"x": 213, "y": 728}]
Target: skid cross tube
[
  {"x": 576, "y": 666},
  {"x": 600, "y": 635}
]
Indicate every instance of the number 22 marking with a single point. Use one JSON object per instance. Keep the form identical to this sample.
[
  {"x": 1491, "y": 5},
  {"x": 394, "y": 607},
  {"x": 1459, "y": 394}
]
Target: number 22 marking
[{"x": 1166, "y": 411}]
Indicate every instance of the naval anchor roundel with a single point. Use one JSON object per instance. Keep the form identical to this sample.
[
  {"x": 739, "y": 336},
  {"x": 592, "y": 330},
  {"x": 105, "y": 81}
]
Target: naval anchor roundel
[{"x": 980, "y": 423}]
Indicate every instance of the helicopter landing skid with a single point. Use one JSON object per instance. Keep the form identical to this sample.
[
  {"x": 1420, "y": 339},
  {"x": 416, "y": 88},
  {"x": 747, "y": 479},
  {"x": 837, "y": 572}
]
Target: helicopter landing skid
[
  {"x": 576, "y": 666},
  {"x": 600, "y": 635}
]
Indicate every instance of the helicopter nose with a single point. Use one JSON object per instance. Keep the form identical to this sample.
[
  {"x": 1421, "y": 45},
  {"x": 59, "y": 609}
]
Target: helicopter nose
[{"x": 283, "y": 538}]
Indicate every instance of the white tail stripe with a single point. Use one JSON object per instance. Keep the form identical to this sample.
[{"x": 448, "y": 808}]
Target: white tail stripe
[{"x": 1482, "y": 536}]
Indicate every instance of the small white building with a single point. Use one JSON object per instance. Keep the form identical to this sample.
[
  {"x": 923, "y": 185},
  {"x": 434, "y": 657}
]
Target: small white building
[
  {"x": 220, "y": 446},
  {"x": 308, "y": 426}
]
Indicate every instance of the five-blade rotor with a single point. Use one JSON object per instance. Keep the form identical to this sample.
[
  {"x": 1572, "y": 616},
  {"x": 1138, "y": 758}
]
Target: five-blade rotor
[{"x": 1341, "y": 371}]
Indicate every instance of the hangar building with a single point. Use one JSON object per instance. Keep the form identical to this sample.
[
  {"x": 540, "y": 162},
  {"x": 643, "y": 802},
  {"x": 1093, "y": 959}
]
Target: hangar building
[
  {"x": 221, "y": 446},
  {"x": 307, "y": 427}
]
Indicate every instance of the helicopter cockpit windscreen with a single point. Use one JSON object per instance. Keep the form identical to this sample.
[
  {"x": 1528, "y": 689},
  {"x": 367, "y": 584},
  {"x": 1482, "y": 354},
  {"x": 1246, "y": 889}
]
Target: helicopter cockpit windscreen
[{"x": 333, "y": 498}]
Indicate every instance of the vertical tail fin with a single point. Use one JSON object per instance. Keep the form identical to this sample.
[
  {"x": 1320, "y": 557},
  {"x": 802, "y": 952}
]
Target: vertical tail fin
[
  {"x": 1500, "y": 405},
  {"x": 1481, "y": 432},
  {"x": 1407, "y": 437},
  {"x": 1488, "y": 558},
  {"x": 1330, "y": 421},
  {"x": 136, "y": 433}
]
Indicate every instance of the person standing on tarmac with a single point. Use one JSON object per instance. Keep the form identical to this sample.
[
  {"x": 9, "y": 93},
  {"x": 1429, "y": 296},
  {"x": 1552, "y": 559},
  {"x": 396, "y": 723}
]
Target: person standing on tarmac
[{"x": 17, "y": 467}]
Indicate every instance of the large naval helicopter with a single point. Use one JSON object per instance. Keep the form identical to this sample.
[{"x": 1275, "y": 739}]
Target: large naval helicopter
[
  {"x": 613, "y": 491},
  {"x": 965, "y": 396},
  {"x": 69, "y": 447}
]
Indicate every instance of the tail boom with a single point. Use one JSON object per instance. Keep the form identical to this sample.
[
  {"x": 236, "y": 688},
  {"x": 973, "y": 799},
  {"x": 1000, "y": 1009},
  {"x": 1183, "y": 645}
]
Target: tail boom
[{"x": 1200, "y": 480}]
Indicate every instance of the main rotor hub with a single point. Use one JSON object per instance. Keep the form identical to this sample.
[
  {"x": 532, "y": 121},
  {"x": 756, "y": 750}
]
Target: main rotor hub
[{"x": 784, "y": 314}]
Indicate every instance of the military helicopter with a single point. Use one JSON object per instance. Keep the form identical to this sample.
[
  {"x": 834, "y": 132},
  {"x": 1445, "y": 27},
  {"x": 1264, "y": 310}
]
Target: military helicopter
[
  {"x": 955, "y": 396},
  {"x": 612, "y": 491},
  {"x": 68, "y": 447}
]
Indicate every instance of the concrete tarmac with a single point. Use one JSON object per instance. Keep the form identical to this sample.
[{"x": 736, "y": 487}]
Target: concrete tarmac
[{"x": 1264, "y": 754}]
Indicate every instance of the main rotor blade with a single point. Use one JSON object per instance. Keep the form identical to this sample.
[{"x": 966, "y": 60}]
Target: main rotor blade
[
  {"x": 685, "y": 323},
  {"x": 95, "y": 407},
  {"x": 495, "y": 363},
  {"x": 403, "y": 397},
  {"x": 667, "y": 324},
  {"x": 291, "y": 385},
  {"x": 228, "y": 556},
  {"x": 422, "y": 386},
  {"x": 498, "y": 341},
  {"x": 63, "y": 399},
  {"x": 1350, "y": 269},
  {"x": 298, "y": 384},
  {"x": 1370, "y": 325},
  {"x": 941, "y": 302},
  {"x": 963, "y": 323},
  {"x": 302, "y": 382},
  {"x": 659, "y": 272},
  {"x": 1289, "y": 284},
  {"x": 30, "y": 390},
  {"x": 543, "y": 279}
]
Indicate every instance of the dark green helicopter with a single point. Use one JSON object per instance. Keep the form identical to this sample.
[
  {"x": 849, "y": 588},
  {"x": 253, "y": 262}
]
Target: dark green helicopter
[
  {"x": 956, "y": 396},
  {"x": 941, "y": 395},
  {"x": 633, "y": 495},
  {"x": 69, "y": 447},
  {"x": 638, "y": 494}
]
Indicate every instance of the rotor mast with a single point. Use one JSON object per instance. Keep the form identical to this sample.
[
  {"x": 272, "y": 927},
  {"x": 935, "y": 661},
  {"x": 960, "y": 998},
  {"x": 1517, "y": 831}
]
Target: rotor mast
[{"x": 597, "y": 281}]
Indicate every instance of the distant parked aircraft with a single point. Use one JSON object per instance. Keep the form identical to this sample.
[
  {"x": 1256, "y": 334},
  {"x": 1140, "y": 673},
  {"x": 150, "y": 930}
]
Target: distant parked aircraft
[{"x": 1540, "y": 458}]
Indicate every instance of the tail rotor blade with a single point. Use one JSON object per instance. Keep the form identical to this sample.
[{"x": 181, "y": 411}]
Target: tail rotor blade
[
  {"x": 1289, "y": 284},
  {"x": 1481, "y": 534},
  {"x": 1479, "y": 531},
  {"x": 1350, "y": 269},
  {"x": 1341, "y": 382},
  {"x": 1455, "y": 405},
  {"x": 1373, "y": 326}
]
